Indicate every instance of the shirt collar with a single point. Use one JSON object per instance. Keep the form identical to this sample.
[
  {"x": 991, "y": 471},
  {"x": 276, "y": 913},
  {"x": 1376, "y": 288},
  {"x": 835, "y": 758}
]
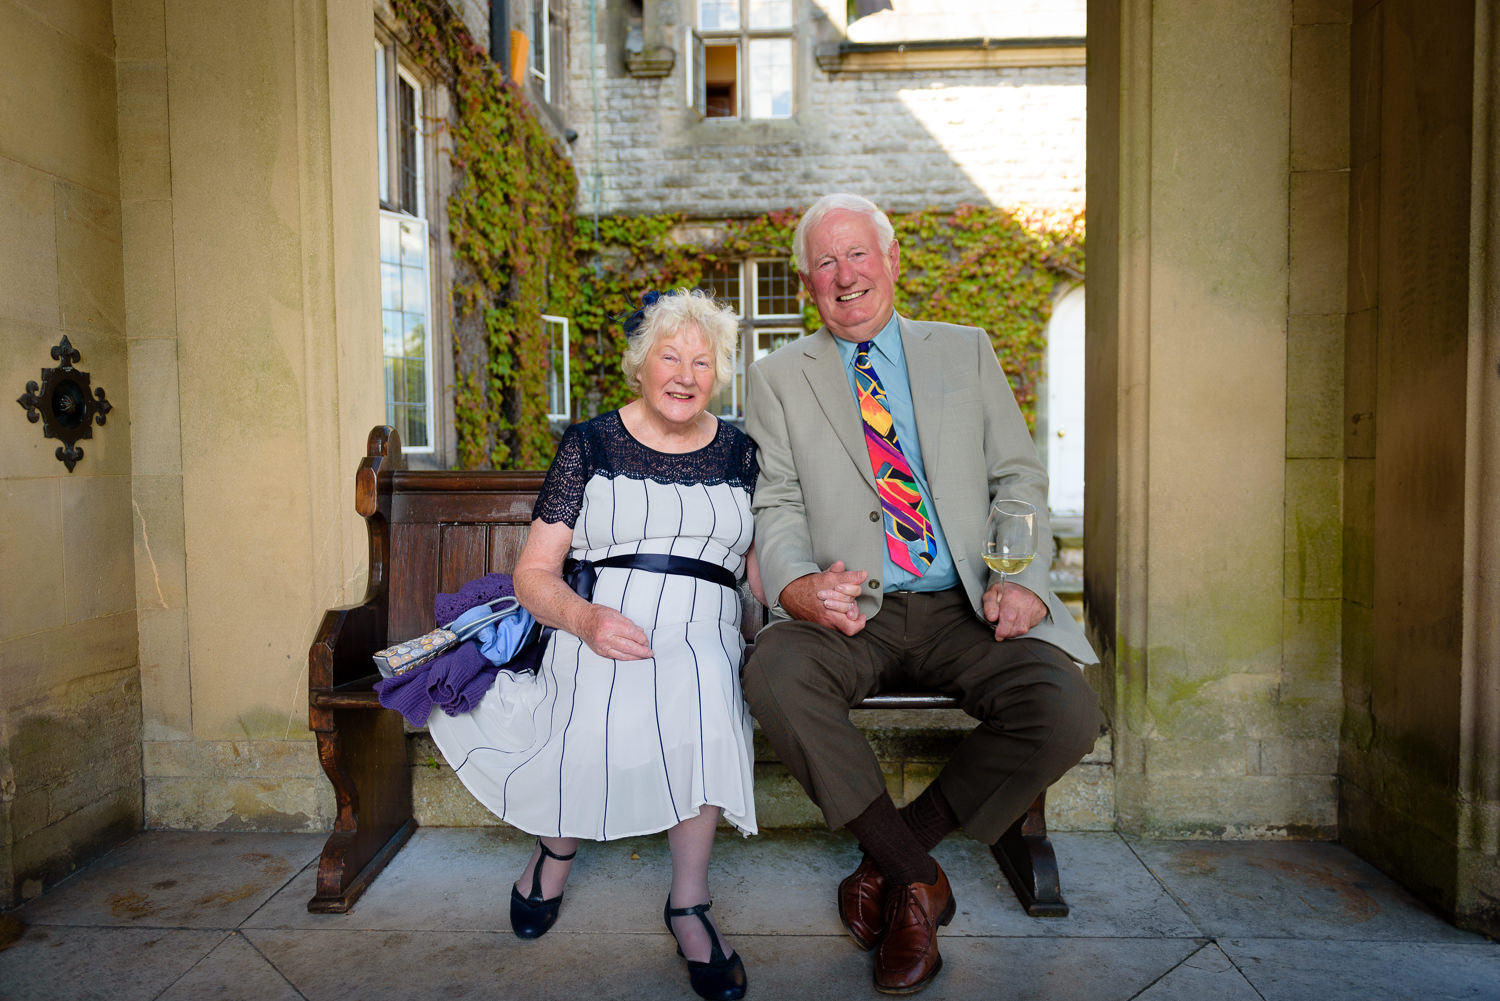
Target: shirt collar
[{"x": 886, "y": 344}]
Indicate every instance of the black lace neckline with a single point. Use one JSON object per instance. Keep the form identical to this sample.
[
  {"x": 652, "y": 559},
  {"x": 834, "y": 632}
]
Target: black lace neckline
[{"x": 603, "y": 446}]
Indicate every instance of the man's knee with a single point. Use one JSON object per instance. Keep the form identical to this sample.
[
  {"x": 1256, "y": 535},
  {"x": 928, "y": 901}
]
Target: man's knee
[
  {"x": 1051, "y": 695},
  {"x": 1079, "y": 719}
]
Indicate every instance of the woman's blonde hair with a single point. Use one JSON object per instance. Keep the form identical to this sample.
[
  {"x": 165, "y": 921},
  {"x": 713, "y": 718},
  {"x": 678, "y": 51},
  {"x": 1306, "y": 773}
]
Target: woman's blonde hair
[{"x": 674, "y": 311}]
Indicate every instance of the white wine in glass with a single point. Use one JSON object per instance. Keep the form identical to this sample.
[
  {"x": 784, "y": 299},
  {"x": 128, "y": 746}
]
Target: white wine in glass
[{"x": 1010, "y": 537}]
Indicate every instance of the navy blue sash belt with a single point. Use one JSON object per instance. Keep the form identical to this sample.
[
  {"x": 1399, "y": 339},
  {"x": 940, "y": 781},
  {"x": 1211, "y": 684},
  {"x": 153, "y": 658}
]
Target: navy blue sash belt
[{"x": 581, "y": 574}]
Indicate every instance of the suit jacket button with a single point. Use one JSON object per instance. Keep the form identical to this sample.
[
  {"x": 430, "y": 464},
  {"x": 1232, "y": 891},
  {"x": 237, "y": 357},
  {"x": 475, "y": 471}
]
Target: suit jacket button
[
  {"x": 874, "y": 585},
  {"x": 874, "y": 515}
]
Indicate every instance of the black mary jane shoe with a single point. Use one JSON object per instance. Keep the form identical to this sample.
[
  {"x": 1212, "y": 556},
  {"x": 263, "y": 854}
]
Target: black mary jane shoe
[
  {"x": 722, "y": 978},
  {"x": 531, "y": 916}
]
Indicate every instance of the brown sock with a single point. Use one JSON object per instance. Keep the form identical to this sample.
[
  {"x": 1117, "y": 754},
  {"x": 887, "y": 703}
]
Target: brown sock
[
  {"x": 930, "y": 817},
  {"x": 897, "y": 853}
]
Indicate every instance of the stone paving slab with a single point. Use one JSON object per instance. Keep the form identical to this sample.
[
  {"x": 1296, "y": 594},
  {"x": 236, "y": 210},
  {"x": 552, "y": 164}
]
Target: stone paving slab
[
  {"x": 1206, "y": 974},
  {"x": 234, "y": 969},
  {"x": 67, "y": 963},
  {"x": 1297, "y": 970},
  {"x": 1289, "y": 889},
  {"x": 179, "y": 879},
  {"x": 396, "y": 966}
]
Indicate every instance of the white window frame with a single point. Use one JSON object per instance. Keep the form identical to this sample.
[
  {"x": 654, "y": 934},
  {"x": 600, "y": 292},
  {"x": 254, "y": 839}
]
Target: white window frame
[
  {"x": 403, "y": 76},
  {"x": 427, "y": 359},
  {"x": 741, "y": 311},
  {"x": 562, "y": 380},
  {"x": 768, "y": 323},
  {"x": 541, "y": 46},
  {"x": 388, "y": 151},
  {"x": 753, "y": 325},
  {"x": 741, "y": 36}
]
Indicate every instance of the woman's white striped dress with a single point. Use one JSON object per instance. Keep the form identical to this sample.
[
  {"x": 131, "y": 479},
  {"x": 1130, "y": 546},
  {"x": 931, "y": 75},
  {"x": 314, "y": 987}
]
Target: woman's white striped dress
[{"x": 601, "y": 749}]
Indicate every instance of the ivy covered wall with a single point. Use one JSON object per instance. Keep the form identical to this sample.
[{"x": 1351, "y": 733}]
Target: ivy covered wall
[{"x": 990, "y": 267}]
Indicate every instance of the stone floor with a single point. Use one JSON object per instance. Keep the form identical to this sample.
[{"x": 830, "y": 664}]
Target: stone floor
[{"x": 178, "y": 916}]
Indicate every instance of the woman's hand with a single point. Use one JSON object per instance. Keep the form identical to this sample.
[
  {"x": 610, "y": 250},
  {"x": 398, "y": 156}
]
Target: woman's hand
[
  {"x": 612, "y": 636},
  {"x": 541, "y": 589}
]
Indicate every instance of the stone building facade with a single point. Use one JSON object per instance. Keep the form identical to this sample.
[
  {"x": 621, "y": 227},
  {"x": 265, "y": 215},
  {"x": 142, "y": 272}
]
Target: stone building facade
[{"x": 986, "y": 107}]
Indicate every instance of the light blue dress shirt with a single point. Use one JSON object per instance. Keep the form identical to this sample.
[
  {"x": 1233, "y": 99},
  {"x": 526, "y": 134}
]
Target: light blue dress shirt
[{"x": 888, "y": 359}]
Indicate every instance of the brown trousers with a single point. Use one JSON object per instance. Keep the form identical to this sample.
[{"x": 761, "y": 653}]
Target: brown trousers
[{"x": 1037, "y": 716}]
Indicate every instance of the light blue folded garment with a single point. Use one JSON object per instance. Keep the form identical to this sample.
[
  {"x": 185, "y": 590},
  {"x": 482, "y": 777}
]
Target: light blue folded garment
[{"x": 499, "y": 641}]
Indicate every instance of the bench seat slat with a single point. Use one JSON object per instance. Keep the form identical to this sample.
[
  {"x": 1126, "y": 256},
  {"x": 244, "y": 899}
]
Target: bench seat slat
[
  {"x": 353, "y": 698},
  {"x": 909, "y": 700}
]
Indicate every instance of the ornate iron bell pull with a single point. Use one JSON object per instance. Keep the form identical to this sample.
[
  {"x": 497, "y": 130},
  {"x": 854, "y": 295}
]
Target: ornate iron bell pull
[{"x": 63, "y": 404}]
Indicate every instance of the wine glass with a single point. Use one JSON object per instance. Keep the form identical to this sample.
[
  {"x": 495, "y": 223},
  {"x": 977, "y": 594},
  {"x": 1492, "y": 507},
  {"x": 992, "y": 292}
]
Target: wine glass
[{"x": 1010, "y": 538}]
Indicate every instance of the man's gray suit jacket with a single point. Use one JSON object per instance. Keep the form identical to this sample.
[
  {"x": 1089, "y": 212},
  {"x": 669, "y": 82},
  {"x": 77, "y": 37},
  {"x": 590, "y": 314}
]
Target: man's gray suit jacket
[{"x": 815, "y": 500}]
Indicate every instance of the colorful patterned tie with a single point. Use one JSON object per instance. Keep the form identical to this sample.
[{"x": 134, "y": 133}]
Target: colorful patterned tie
[{"x": 908, "y": 532}]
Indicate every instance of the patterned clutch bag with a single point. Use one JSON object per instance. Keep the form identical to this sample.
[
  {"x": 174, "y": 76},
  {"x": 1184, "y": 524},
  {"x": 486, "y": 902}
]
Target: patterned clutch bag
[{"x": 396, "y": 660}]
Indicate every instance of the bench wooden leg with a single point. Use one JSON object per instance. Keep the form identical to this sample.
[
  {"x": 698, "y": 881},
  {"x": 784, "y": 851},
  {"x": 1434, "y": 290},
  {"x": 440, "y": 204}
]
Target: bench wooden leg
[
  {"x": 1026, "y": 857},
  {"x": 363, "y": 752}
]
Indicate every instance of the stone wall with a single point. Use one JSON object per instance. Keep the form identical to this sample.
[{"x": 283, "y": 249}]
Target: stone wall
[
  {"x": 169, "y": 205},
  {"x": 1421, "y": 737},
  {"x": 69, "y": 688},
  {"x": 1009, "y": 135}
]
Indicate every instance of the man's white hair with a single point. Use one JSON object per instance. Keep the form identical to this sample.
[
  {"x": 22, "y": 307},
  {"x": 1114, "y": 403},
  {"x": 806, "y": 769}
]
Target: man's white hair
[{"x": 830, "y": 203}]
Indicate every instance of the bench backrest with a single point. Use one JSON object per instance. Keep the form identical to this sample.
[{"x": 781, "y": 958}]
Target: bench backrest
[
  {"x": 447, "y": 528},
  {"x": 429, "y": 531}
]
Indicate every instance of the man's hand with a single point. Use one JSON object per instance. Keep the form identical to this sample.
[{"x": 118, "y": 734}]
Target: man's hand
[
  {"x": 827, "y": 598},
  {"x": 1020, "y": 611}
]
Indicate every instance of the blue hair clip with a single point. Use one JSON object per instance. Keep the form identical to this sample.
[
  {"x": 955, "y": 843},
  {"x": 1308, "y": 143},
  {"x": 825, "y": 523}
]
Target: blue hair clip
[{"x": 634, "y": 320}]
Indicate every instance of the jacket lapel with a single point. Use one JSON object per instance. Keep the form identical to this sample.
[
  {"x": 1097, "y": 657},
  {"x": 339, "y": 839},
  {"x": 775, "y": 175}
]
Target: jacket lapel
[{"x": 826, "y": 378}]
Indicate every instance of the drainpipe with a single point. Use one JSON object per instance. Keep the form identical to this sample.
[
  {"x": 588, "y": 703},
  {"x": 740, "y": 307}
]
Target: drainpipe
[{"x": 500, "y": 35}]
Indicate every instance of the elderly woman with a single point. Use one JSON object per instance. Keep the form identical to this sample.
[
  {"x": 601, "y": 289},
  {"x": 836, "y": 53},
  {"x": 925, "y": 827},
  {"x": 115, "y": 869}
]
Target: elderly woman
[{"x": 634, "y": 722}]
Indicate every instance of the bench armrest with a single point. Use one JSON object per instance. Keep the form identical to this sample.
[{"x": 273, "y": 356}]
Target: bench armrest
[{"x": 342, "y": 652}]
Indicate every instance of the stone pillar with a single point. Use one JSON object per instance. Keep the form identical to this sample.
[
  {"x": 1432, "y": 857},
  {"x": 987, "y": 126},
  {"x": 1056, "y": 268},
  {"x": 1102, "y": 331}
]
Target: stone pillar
[
  {"x": 1196, "y": 224},
  {"x": 254, "y": 331}
]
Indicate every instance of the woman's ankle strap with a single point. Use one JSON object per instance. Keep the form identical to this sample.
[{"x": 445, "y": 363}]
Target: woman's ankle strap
[{"x": 552, "y": 854}]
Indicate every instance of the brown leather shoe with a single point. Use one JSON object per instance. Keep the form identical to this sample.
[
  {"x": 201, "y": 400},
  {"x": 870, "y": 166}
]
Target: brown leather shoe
[
  {"x": 908, "y": 959},
  {"x": 862, "y": 904}
]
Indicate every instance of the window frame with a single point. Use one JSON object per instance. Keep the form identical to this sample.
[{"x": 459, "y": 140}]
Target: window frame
[
  {"x": 540, "y": 64},
  {"x": 753, "y": 325},
  {"x": 564, "y": 380},
  {"x": 697, "y": 40},
  {"x": 391, "y": 403},
  {"x": 755, "y": 272},
  {"x": 546, "y": 35},
  {"x": 393, "y": 71}
]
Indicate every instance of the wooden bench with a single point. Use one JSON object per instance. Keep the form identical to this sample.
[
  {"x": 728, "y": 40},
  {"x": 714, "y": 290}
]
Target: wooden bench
[{"x": 431, "y": 531}]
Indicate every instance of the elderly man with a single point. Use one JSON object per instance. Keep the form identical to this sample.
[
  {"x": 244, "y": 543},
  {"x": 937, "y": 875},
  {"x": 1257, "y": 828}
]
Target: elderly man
[{"x": 883, "y": 441}]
